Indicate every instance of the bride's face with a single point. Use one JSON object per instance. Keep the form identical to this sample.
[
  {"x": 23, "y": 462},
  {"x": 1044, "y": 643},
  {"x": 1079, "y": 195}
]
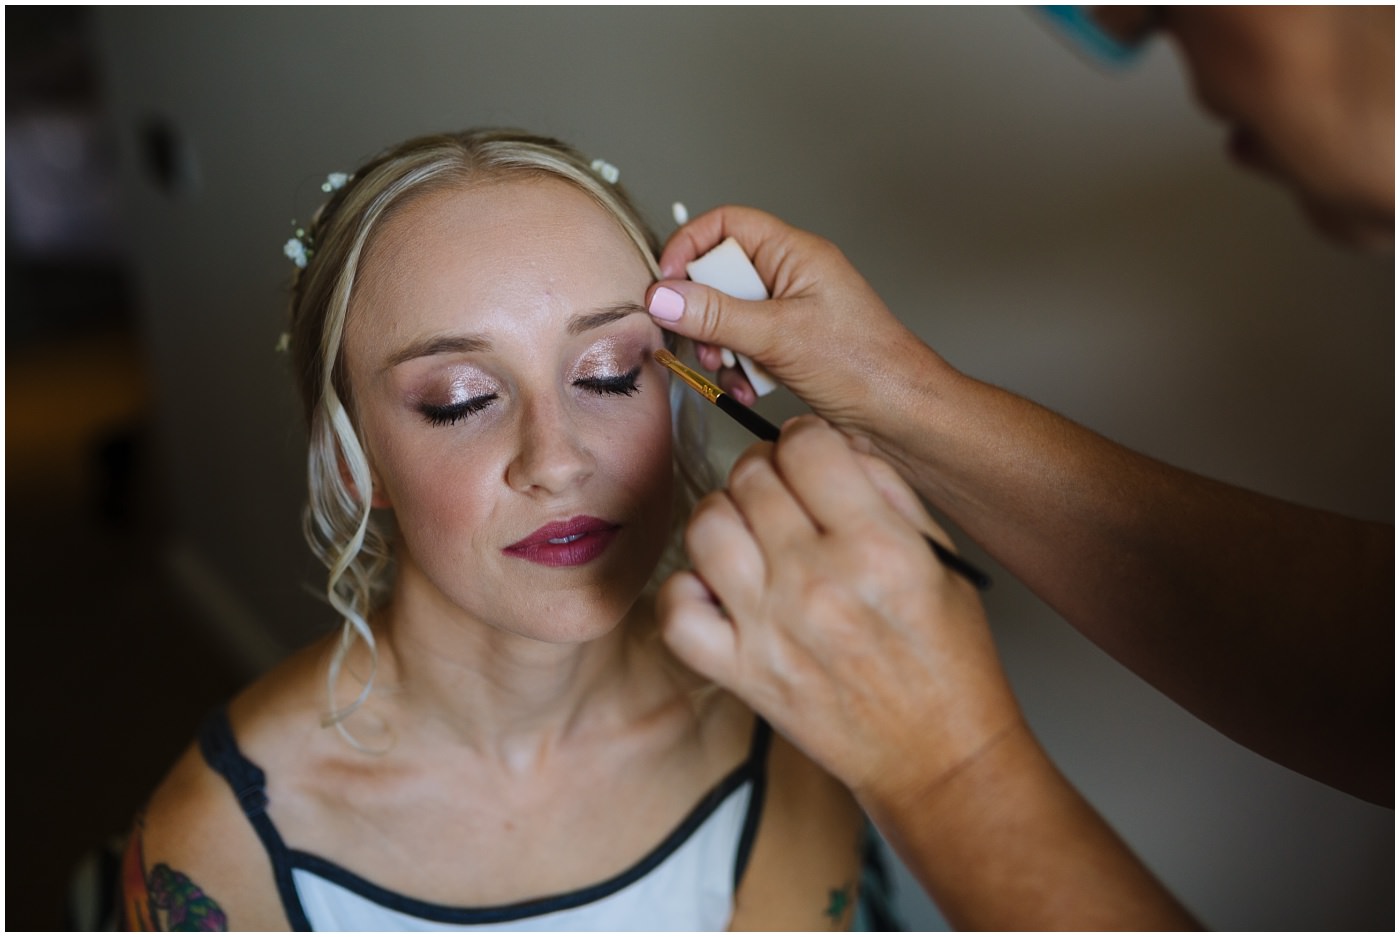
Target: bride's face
[{"x": 514, "y": 418}]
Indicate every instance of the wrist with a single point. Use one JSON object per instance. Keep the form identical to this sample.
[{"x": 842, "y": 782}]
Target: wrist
[
  {"x": 907, "y": 394},
  {"x": 922, "y": 790},
  {"x": 945, "y": 818},
  {"x": 1004, "y": 842}
]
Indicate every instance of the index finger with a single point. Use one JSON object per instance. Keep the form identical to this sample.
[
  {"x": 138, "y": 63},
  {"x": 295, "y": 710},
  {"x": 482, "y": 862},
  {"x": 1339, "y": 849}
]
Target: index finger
[
  {"x": 826, "y": 476},
  {"x": 749, "y": 226}
]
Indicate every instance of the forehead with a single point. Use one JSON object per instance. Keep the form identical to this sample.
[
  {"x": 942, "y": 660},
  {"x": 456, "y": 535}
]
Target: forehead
[{"x": 513, "y": 252}]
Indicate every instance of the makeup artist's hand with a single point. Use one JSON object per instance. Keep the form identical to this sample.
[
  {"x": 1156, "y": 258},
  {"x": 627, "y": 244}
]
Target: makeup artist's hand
[
  {"x": 816, "y": 599},
  {"x": 1102, "y": 534},
  {"x": 825, "y": 334}
]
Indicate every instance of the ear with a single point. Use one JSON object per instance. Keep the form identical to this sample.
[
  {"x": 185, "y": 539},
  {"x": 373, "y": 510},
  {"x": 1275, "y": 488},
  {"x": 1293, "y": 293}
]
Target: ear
[{"x": 378, "y": 498}]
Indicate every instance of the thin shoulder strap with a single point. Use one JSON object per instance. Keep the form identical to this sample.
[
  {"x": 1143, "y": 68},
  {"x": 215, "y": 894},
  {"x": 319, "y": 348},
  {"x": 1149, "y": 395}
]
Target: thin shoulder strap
[
  {"x": 249, "y": 784},
  {"x": 757, "y": 766}
]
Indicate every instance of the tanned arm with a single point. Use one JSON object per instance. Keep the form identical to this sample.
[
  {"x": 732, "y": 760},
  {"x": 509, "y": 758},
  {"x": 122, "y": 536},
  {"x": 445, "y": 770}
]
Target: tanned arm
[
  {"x": 1269, "y": 621},
  {"x": 804, "y": 873},
  {"x": 193, "y": 862},
  {"x": 1005, "y": 843},
  {"x": 162, "y": 898}
]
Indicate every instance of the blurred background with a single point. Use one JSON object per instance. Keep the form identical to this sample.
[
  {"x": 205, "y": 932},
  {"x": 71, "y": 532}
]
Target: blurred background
[{"x": 1076, "y": 237}]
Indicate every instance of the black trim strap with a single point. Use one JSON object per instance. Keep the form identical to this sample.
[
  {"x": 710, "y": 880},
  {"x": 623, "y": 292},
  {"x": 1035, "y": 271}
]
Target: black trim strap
[
  {"x": 249, "y": 785},
  {"x": 249, "y": 782},
  {"x": 756, "y": 767}
]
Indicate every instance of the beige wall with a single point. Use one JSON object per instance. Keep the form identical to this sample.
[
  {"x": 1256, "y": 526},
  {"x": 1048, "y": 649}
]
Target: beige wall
[{"x": 1077, "y": 238}]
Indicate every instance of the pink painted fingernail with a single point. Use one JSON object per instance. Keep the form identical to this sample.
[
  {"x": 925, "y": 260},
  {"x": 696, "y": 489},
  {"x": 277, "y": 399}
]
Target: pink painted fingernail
[{"x": 666, "y": 304}]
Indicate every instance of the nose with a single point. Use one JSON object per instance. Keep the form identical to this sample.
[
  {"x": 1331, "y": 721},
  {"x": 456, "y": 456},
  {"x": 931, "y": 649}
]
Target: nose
[{"x": 551, "y": 456}]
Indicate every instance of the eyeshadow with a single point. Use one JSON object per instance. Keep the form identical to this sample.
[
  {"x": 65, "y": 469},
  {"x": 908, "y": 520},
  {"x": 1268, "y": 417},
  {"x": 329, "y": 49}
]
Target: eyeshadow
[{"x": 457, "y": 389}]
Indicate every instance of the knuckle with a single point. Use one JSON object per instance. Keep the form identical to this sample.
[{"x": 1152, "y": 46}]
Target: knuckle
[
  {"x": 872, "y": 561},
  {"x": 803, "y": 440},
  {"x": 672, "y": 593},
  {"x": 708, "y": 516},
  {"x": 894, "y": 567},
  {"x": 750, "y": 465},
  {"x": 712, "y": 314},
  {"x": 826, "y": 590},
  {"x": 837, "y": 606},
  {"x": 879, "y": 470},
  {"x": 826, "y": 247}
]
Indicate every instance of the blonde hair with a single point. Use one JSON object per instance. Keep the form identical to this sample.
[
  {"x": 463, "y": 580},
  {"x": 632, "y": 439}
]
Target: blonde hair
[{"x": 356, "y": 544}]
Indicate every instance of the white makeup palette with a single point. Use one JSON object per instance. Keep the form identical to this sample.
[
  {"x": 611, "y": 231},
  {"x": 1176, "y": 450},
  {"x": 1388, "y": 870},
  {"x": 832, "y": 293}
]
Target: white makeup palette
[{"x": 728, "y": 269}]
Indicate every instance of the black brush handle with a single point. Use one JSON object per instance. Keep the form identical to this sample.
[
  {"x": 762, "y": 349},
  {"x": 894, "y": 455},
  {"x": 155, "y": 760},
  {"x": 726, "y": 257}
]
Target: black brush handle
[
  {"x": 750, "y": 420},
  {"x": 766, "y": 431},
  {"x": 959, "y": 565}
]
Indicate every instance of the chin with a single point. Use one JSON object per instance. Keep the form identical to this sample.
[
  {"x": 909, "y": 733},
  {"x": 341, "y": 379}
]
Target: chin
[
  {"x": 585, "y": 618},
  {"x": 569, "y": 634},
  {"x": 1370, "y": 235}
]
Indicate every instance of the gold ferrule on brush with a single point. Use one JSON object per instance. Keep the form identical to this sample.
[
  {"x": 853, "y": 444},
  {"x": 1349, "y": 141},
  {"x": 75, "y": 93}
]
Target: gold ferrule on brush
[{"x": 695, "y": 379}]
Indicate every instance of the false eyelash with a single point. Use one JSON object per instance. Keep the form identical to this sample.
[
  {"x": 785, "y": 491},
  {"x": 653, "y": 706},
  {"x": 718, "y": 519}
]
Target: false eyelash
[
  {"x": 623, "y": 384},
  {"x": 448, "y": 415}
]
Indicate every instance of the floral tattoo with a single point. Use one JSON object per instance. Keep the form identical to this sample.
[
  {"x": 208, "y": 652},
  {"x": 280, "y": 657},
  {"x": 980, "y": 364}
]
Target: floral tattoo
[
  {"x": 185, "y": 904},
  {"x": 165, "y": 899},
  {"x": 838, "y": 902}
]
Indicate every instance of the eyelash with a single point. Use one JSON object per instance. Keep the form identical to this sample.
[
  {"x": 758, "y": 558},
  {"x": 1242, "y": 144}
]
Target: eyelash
[
  {"x": 450, "y": 414},
  {"x": 623, "y": 385}
]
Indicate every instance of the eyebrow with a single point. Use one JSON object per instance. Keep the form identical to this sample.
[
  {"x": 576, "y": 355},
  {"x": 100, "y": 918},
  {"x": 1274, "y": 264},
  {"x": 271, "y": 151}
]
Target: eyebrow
[
  {"x": 593, "y": 320},
  {"x": 465, "y": 344}
]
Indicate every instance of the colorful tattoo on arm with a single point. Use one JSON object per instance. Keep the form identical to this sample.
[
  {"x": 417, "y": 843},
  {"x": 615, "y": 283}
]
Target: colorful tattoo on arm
[
  {"x": 838, "y": 904},
  {"x": 165, "y": 899},
  {"x": 136, "y": 903},
  {"x": 186, "y": 906}
]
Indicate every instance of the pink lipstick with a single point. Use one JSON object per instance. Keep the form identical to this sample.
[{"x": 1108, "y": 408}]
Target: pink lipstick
[{"x": 573, "y": 542}]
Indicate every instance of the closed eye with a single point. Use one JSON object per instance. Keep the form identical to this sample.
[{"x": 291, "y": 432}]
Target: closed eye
[
  {"x": 447, "y": 415},
  {"x": 623, "y": 384}
]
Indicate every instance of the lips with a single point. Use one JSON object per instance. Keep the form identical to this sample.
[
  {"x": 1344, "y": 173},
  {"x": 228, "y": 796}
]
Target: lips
[{"x": 574, "y": 542}]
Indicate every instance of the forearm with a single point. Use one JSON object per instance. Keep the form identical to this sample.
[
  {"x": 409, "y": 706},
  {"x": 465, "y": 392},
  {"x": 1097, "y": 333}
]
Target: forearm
[
  {"x": 1269, "y": 621},
  {"x": 1005, "y": 843}
]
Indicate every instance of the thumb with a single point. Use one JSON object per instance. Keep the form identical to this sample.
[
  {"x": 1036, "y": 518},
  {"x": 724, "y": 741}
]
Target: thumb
[
  {"x": 695, "y": 628},
  {"x": 715, "y": 318}
]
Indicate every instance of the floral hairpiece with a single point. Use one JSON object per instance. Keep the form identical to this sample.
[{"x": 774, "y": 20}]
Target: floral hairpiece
[
  {"x": 299, "y": 247},
  {"x": 607, "y": 170}
]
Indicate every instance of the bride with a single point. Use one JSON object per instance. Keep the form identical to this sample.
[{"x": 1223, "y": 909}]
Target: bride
[{"x": 497, "y": 738}]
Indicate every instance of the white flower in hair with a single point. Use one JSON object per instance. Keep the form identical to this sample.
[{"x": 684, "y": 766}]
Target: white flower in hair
[
  {"x": 607, "y": 170},
  {"x": 296, "y": 251},
  {"x": 334, "y": 181}
]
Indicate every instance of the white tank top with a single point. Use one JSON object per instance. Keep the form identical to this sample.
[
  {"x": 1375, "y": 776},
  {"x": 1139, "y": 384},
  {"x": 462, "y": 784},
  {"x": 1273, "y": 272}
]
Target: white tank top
[{"x": 685, "y": 883}]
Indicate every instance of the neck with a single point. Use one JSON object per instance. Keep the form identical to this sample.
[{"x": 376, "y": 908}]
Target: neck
[{"x": 451, "y": 680}]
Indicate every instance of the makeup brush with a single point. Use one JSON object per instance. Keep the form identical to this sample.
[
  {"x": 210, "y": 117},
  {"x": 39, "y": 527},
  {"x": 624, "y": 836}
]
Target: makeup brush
[{"x": 764, "y": 430}]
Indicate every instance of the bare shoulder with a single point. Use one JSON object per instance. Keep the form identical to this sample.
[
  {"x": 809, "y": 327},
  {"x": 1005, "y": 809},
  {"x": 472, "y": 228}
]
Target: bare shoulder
[
  {"x": 805, "y": 868},
  {"x": 194, "y": 860}
]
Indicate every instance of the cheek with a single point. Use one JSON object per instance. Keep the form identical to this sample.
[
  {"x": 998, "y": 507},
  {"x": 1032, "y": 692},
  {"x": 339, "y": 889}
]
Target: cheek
[
  {"x": 430, "y": 487},
  {"x": 639, "y": 455},
  {"x": 1260, "y": 70}
]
